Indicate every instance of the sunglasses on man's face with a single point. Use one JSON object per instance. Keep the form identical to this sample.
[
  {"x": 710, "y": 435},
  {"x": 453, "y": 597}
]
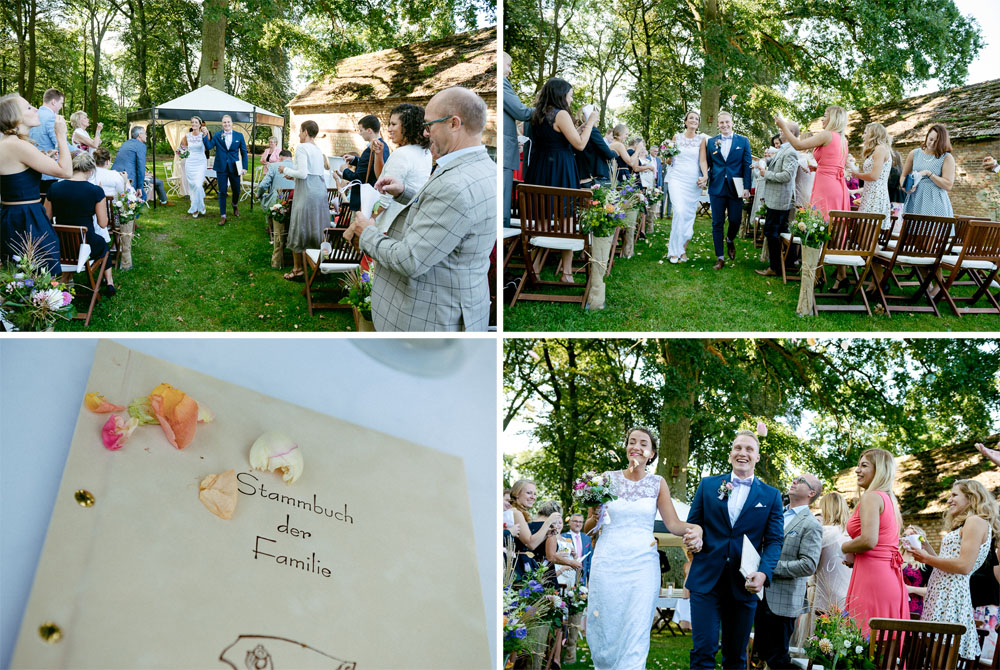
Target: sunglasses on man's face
[{"x": 802, "y": 480}]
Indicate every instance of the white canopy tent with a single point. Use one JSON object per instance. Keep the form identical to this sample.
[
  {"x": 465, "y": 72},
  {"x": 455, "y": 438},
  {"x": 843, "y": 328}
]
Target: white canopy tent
[{"x": 210, "y": 104}]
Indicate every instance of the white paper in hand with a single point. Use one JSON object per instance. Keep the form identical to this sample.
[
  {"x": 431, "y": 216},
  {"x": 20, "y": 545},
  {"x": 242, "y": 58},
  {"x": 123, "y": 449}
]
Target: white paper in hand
[
  {"x": 738, "y": 183},
  {"x": 369, "y": 196},
  {"x": 750, "y": 561},
  {"x": 587, "y": 111}
]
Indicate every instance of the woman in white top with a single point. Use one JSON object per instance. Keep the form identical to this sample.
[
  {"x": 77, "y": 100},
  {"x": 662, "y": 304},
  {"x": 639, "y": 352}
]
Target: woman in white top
[
  {"x": 310, "y": 205},
  {"x": 197, "y": 141},
  {"x": 832, "y": 576},
  {"x": 410, "y": 163},
  {"x": 81, "y": 138},
  {"x": 112, "y": 182},
  {"x": 647, "y": 179}
]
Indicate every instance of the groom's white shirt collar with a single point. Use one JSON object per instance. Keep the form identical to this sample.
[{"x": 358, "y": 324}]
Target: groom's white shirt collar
[
  {"x": 727, "y": 137},
  {"x": 732, "y": 476}
]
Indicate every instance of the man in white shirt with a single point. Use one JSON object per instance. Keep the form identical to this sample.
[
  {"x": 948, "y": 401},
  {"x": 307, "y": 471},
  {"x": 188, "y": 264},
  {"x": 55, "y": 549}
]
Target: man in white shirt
[
  {"x": 582, "y": 548},
  {"x": 784, "y": 598}
]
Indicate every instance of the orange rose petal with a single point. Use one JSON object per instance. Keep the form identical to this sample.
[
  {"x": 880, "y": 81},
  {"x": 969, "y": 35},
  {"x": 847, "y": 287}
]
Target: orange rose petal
[
  {"x": 177, "y": 413},
  {"x": 218, "y": 494},
  {"x": 95, "y": 402}
]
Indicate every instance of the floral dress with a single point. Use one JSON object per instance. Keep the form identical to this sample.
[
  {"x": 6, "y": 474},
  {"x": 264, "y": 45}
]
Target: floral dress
[
  {"x": 875, "y": 194},
  {"x": 948, "y": 597}
]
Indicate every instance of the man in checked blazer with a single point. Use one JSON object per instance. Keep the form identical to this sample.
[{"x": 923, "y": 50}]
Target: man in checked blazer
[
  {"x": 779, "y": 197},
  {"x": 785, "y": 599},
  {"x": 431, "y": 268}
]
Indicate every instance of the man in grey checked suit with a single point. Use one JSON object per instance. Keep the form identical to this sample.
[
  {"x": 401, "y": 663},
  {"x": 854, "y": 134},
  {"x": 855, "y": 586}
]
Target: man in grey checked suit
[
  {"x": 785, "y": 599},
  {"x": 431, "y": 268},
  {"x": 513, "y": 110},
  {"x": 779, "y": 198}
]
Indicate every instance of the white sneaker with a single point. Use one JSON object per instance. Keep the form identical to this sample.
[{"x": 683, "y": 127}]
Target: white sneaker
[{"x": 673, "y": 259}]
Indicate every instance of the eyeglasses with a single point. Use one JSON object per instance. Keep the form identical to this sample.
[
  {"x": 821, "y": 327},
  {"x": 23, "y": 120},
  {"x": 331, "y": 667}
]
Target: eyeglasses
[
  {"x": 802, "y": 480},
  {"x": 428, "y": 124}
]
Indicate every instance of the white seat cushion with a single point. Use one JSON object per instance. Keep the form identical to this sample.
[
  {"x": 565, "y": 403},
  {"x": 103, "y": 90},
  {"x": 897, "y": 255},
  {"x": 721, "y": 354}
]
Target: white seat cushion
[
  {"x": 515, "y": 223},
  {"x": 84, "y": 256},
  {"x": 330, "y": 268},
  {"x": 971, "y": 265},
  {"x": 510, "y": 232},
  {"x": 906, "y": 260},
  {"x": 891, "y": 244},
  {"x": 788, "y": 237},
  {"x": 844, "y": 259},
  {"x": 560, "y": 243}
]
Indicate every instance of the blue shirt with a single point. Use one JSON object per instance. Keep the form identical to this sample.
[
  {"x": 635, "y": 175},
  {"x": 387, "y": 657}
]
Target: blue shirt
[{"x": 44, "y": 135}]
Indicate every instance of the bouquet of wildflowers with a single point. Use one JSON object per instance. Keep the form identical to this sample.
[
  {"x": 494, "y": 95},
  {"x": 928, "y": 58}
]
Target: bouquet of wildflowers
[
  {"x": 837, "y": 642},
  {"x": 810, "y": 225},
  {"x": 127, "y": 206},
  {"x": 630, "y": 194},
  {"x": 30, "y": 299},
  {"x": 359, "y": 288},
  {"x": 669, "y": 149},
  {"x": 183, "y": 153},
  {"x": 593, "y": 489},
  {"x": 603, "y": 213},
  {"x": 525, "y": 606},
  {"x": 654, "y": 195},
  {"x": 576, "y": 598}
]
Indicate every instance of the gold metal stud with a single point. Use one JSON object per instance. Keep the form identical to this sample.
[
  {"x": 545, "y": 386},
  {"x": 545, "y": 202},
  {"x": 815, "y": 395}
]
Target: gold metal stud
[
  {"x": 84, "y": 497},
  {"x": 50, "y": 632}
]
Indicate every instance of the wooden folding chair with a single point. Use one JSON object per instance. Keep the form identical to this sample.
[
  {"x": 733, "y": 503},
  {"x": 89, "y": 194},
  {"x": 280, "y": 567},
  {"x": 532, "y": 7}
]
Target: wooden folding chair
[
  {"x": 74, "y": 257},
  {"x": 853, "y": 236},
  {"x": 923, "y": 239},
  {"x": 787, "y": 240},
  {"x": 979, "y": 257},
  {"x": 114, "y": 229},
  {"x": 335, "y": 256},
  {"x": 549, "y": 222},
  {"x": 914, "y": 645}
]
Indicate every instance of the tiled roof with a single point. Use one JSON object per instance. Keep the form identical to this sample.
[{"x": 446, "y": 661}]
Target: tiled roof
[
  {"x": 413, "y": 71},
  {"x": 968, "y": 112}
]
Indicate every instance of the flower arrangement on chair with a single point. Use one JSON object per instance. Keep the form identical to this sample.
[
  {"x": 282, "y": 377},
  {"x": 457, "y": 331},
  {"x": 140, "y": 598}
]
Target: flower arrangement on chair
[
  {"x": 358, "y": 284},
  {"x": 837, "y": 642},
  {"x": 30, "y": 299},
  {"x": 603, "y": 213}
]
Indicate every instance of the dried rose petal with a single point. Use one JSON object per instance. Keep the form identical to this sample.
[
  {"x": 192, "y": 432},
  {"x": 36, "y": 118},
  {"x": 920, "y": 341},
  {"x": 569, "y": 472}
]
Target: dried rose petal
[
  {"x": 95, "y": 402},
  {"x": 117, "y": 430},
  {"x": 177, "y": 413},
  {"x": 276, "y": 452},
  {"x": 762, "y": 429},
  {"x": 218, "y": 494}
]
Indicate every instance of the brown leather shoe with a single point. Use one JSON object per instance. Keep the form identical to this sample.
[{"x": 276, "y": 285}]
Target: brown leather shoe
[
  {"x": 222, "y": 221},
  {"x": 236, "y": 211},
  {"x": 731, "y": 247},
  {"x": 719, "y": 264},
  {"x": 767, "y": 273}
]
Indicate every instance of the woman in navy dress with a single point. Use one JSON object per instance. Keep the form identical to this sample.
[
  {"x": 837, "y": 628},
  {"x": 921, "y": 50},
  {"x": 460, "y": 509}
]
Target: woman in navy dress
[
  {"x": 551, "y": 161},
  {"x": 21, "y": 169}
]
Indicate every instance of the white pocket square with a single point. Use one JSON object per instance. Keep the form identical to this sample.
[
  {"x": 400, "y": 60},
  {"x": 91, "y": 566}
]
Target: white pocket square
[{"x": 758, "y": 505}]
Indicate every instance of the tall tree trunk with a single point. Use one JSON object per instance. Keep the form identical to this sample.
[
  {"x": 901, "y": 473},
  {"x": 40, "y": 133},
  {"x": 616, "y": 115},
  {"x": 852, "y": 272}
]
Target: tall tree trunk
[
  {"x": 32, "y": 55},
  {"x": 675, "y": 422},
  {"x": 213, "y": 44},
  {"x": 140, "y": 56},
  {"x": 712, "y": 68}
]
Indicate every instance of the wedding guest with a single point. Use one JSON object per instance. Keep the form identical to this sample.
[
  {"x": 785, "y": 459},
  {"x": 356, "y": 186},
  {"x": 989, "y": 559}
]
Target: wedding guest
[
  {"x": 896, "y": 193},
  {"x": 431, "y": 269},
  {"x": 196, "y": 142},
  {"x": 530, "y": 534},
  {"x": 660, "y": 181},
  {"x": 310, "y": 205},
  {"x": 779, "y": 196},
  {"x": 627, "y": 164},
  {"x": 75, "y": 202},
  {"x": 364, "y": 169},
  {"x": 806, "y": 176},
  {"x": 876, "y": 165},
  {"x": 935, "y": 166},
  {"x": 915, "y": 575},
  {"x": 410, "y": 163},
  {"x": 131, "y": 159},
  {"x": 592, "y": 161},
  {"x": 832, "y": 576},
  {"x": 267, "y": 194},
  {"x": 272, "y": 154},
  {"x": 582, "y": 549},
  {"x": 647, "y": 180},
  {"x": 971, "y": 521},
  {"x": 853, "y": 186},
  {"x": 112, "y": 182},
  {"x": 513, "y": 111},
  {"x": 81, "y": 138},
  {"x": 22, "y": 164},
  {"x": 985, "y": 592},
  {"x": 829, "y": 192},
  {"x": 687, "y": 172},
  {"x": 553, "y": 138},
  {"x": 876, "y": 588},
  {"x": 800, "y": 554},
  {"x": 552, "y": 547},
  {"x": 990, "y": 164},
  {"x": 45, "y": 136}
]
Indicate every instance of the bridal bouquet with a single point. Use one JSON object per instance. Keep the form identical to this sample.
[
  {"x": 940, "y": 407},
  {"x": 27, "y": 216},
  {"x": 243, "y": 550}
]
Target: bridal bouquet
[
  {"x": 183, "y": 153},
  {"x": 603, "y": 213},
  {"x": 669, "y": 149},
  {"x": 811, "y": 227},
  {"x": 593, "y": 489},
  {"x": 837, "y": 642}
]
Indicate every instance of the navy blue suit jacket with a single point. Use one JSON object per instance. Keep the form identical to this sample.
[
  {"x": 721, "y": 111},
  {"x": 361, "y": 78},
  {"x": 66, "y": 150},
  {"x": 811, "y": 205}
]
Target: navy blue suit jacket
[
  {"x": 131, "y": 159},
  {"x": 722, "y": 170},
  {"x": 225, "y": 159},
  {"x": 593, "y": 160},
  {"x": 760, "y": 520},
  {"x": 360, "y": 172}
]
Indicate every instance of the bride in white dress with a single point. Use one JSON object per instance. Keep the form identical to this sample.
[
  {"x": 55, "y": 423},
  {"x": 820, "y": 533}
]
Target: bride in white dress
[
  {"x": 625, "y": 569},
  {"x": 196, "y": 142},
  {"x": 685, "y": 184}
]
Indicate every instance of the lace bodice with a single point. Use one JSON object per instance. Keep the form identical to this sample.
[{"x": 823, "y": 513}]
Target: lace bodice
[
  {"x": 647, "y": 487},
  {"x": 685, "y": 164},
  {"x": 682, "y": 142}
]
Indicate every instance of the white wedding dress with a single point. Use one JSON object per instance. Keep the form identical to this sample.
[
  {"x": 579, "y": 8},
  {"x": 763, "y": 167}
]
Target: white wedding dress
[
  {"x": 194, "y": 171},
  {"x": 624, "y": 577},
  {"x": 684, "y": 191}
]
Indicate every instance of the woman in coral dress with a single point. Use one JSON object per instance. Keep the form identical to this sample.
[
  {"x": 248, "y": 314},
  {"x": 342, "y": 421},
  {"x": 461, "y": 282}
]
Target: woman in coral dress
[
  {"x": 876, "y": 588},
  {"x": 829, "y": 192}
]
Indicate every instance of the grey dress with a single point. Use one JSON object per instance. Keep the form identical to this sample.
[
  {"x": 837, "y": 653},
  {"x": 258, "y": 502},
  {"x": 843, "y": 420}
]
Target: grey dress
[
  {"x": 928, "y": 198},
  {"x": 310, "y": 205}
]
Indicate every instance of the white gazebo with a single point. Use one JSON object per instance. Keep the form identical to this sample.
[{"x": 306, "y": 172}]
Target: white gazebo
[{"x": 210, "y": 104}]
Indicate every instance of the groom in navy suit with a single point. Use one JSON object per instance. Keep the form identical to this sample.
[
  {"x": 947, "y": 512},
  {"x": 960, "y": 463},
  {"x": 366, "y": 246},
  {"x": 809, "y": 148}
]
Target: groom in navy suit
[
  {"x": 728, "y": 157},
  {"x": 728, "y": 507},
  {"x": 229, "y": 146}
]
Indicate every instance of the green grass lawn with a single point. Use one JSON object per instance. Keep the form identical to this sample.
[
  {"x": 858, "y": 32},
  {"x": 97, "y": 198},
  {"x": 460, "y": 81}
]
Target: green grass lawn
[
  {"x": 647, "y": 293},
  {"x": 666, "y": 652},
  {"x": 192, "y": 275}
]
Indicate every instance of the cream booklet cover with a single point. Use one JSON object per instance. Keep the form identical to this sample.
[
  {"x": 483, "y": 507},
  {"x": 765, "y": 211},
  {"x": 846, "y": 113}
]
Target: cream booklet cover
[{"x": 364, "y": 561}]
